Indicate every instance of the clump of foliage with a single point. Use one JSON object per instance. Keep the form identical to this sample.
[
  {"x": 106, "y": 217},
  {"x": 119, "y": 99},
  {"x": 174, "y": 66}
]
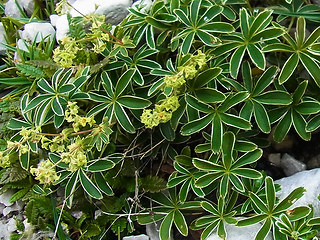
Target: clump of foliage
[{"x": 163, "y": 117}]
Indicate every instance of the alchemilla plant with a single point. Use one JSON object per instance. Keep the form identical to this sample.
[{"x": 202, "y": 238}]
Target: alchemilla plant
[{"x": 160, "y": 119}]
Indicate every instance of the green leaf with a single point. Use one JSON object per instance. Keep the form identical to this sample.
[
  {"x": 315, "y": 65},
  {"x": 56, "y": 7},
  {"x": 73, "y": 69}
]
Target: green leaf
[
  {"x": 311, "y": 66},
  {"x": 180, "y": 223},
  {"x": 102, "y": 184},
  {"x": 299, "y": 124},
  {"x": 219, "y": 27},
  {"x": 197, "y": 105},
  {"x": 244, "y": 22},
  {"x": 236, "y": 182},
  {"x": 300, "y": 33},
  {"x": 261, "y": 117},
  {"x": 258, "y": 202},
  {"x": 88, "y": 186},
  {"x": 256, "y": 56},
  {"x": 124, "y": 81},
  {"x": 236, "y": 60},
  {"x": 101, "y": 165},
  {"x": 208, "y": 179},
  {"x": 45, "y": 86},
  {"x": 56, "y": 106},
  {"x": 283, "y": 127},
  {"x": 299, "y": 213},
  {"x": 187, "y": 42},
  {"x": 165, "y": 227},
  {"x": 209, "y": 95},
  {"x": 194, "y": 11},
  {"x": 314, "y": 36},
  {"x": 248, "y": 158},
  {"x": 290, "y": 199},
  {"x": 216, "y": 133},
  {"x": 235, "y": 121},
  {"x": 17, "y": 124},
  {"x": 196, "y": 125},
  {"x": 259, "y": 22},
  {"x": 270, "y": 193},
  {"x": 308, "y": 107},
  {"x": 251, "y": 220},
  {"x": 264, "y": 230},
  {"x": 247, "y": 173},
  {"x": 206, "y": 76},
  {"x": 133, "y": 102},
  {"x": 206, "y": 165},
  {"x": 265, "y": 80},
  {"x": 313, "y": 124},
  {"x": 123, "y": 119},
  {"x": 25, "y": 160},
  {"x": 288, "y": 68},
  {"x": 274, "y": 97},
  {"x": 70, "y": 188}
]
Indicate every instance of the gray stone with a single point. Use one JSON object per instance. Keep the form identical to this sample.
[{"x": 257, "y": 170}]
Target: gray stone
[
  {"x": 77, "y": 214},
  {"x": 152, "y": 230},
  {"x": 12, "y": 10},
  {"x": 1, "y": 208},
  {"x": 62, "y": 25},
  {"x": 13, "y": 208},
  {"x": 5, "y": 234},
  {"x": 38, "y": 31},
  {"x": 5, "y": 198},
  {"x": 290, "y": 165},
  {"x": 2, "y": 39},
  {"x": 275, "y": 159},
  {"x": 137, "y": 237},
  {"x": 11, "y": 225},
  {"x": 314, "y": 162},
  {"x": 310, "y": 180},
  {"x": 241, "y": 233},
  {"x": 115, "y": 11}
]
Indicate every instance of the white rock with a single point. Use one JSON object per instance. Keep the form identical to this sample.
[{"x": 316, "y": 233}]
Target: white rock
[
  {"x": 83, "y": 7},
  {"x": 12, "y": 10},
  {"x": 290, "y": 165},
  {"x": 145, "y": 5},
  {"x": 1, "y": 208},
  {"x": 11, "y": 225},
  {"x": 241, "y": 233},
  {"x": 115, "y": 11},
  {"x": 37, "y": 30},
  {"x": 62, "y": 25},
  {"x": 77, "y": 214},
  {"x": 13, "y": 208},
  {"x": 137, "y": 237},
  {"x": 5, "y": 198},
  {"x": 152, "y": 230},
  {"x": 5, "y": 234},
  {"x": 2, "y": 39},
  {"x": 22, "y": 45},
  {"x": 310, "y": 180}
]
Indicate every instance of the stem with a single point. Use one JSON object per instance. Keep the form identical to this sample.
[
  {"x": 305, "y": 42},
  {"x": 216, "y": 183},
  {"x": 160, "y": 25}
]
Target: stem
[{"x": 101, "y": 28}]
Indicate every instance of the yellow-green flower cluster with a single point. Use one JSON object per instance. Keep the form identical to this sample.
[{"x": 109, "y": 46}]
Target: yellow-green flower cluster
[
  {"x": 66, "y": 52},
  {"x": 4, "y": 160},
  {"x": 98, "y": 36},
  {"x": 20, "y": 146},
  {"x": 78, "y": 121},
  {"x": 45, "y": 172},
  {"x": 193, "y": 65},
  {"x": 161, "y": 113},
  {"x": 185, "y": 72},
  {"x": 75, "y": 157}
]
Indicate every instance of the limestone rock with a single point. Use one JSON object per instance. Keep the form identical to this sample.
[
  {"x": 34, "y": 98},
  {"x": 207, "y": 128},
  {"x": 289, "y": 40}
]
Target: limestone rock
[
  {"x": 5, "y": 198},
  {"x": 37, "y": 31},
  {"x": 241, "y": 233},
  {"x": 290, "y": 165},
  {"x": 2, "y": 39},
  {"x": 61, "y": 24},
  {"x": 115, "y": 11},
  {"x": 310, "y": 180},
  {"x": 137, "y": 237},
  {"x": 12, "y": 10}
]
